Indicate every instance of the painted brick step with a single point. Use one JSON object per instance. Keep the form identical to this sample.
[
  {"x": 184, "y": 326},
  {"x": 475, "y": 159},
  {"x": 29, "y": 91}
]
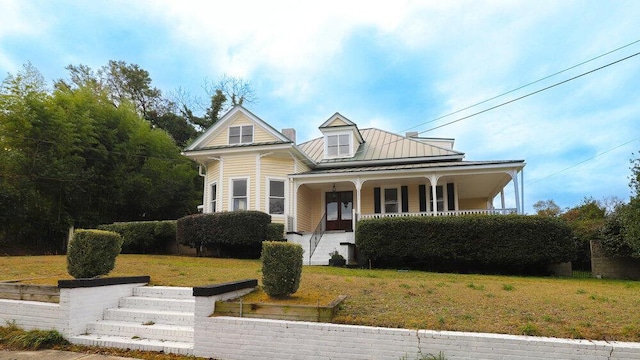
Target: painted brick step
[
  {"x": 165, "y": 292},
  {"x": 168, "y": 347},
  {"x": 146, "y": 315},
  {"x": 137, "y": 302},
  {"x": 134, "y": 330}
]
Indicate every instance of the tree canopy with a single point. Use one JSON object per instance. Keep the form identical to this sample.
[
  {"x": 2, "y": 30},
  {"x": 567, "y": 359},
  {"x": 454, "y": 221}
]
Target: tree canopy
[{"x": 77, "y": 155}]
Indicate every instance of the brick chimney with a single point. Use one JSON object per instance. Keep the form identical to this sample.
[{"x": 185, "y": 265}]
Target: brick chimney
[{"x": 290, "y": 134}]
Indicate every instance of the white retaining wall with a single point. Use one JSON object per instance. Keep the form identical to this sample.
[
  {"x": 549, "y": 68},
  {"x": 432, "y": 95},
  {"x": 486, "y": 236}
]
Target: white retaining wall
[
  {"x": 242, "y": 338},
  {"x": 77, "y": 308}
]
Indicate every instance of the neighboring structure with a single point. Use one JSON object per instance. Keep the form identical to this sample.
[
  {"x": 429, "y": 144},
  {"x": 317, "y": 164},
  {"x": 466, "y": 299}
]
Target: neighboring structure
[{"x": 319, "y": 189}]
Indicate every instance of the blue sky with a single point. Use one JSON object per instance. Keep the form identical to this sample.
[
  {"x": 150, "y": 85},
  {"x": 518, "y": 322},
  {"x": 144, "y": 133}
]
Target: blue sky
[{"x": 393, "y": 65}]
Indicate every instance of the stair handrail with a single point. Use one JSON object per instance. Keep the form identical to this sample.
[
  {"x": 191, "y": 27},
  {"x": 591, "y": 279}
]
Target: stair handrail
[{"x": 317, "y": 235}]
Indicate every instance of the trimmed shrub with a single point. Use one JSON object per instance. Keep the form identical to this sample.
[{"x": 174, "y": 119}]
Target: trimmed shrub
[
  {"x": 233, "y": 233},
  {"x": 144, "y": 237},
  {"x": 281, "y": 268},
  {"x": 92, "y": 253},
  {"x": 513, "y": 244},
  {"x": 275, "y": 232}
]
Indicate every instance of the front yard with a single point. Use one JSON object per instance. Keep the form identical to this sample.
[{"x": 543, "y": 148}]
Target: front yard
[{"x": 555, "y": 307}]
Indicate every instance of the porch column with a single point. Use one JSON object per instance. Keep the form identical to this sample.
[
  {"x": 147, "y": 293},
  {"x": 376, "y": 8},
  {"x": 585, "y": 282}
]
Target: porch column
[
  {"x": 433, "y": 179},
  {"x": 514, "y": 178},
  {"x": 294, "y": 213},
  {"x": 502, "y": 198},
  {"x": 358, "y": 184}
]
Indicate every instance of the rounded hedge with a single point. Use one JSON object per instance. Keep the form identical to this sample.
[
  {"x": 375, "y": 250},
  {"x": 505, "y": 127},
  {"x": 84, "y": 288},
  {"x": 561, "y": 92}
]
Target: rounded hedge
[
  {"x": 281, "y": 268},
  {"x": 92, "y": 253},
  {"x": 144, "y": 237},
  {"x": 484, "y": 242}
]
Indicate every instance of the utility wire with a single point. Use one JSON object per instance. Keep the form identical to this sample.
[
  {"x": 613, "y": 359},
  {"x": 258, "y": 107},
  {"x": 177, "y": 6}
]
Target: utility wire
[
  {"x": 523, "y": 86},
  {"x": 583, "y": 161},
  {"x": 532, "y": 93}
]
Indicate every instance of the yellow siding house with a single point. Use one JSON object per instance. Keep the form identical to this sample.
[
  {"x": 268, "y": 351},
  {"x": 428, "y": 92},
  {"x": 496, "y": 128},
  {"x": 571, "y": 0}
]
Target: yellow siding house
[{"x": 320, "y": 188}]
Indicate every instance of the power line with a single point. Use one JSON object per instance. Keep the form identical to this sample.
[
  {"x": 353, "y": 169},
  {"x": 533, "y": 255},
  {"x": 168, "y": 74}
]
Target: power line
[
  {"x": 583, "y": 161},
  {"x": 523, "y": 86},
  {"x": 532, "y": 93}
]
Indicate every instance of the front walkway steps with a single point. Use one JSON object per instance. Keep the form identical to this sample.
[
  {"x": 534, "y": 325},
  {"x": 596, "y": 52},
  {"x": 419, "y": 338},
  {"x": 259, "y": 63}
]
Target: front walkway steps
[{"x": 155, "y": 318}]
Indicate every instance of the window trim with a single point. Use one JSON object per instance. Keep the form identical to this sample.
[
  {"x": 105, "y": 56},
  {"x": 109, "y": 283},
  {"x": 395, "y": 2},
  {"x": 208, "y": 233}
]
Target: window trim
[
  {"x": 241, "y": 127},
  {"x": 268, "y": 195},
  {"x": 213, "y": 197},
  {"x": 232, "y": 197},
  {"x": 338, "y": 155}
]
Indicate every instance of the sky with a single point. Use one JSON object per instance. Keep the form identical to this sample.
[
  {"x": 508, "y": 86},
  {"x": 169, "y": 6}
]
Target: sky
[{"x": 395, "y": 65}]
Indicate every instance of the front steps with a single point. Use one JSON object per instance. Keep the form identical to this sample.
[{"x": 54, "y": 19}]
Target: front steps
[{"x": 155, "y": 318}]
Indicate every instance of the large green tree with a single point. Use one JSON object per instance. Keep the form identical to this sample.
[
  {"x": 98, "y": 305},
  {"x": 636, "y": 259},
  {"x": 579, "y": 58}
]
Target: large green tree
[{"x": 69, "y": 157}]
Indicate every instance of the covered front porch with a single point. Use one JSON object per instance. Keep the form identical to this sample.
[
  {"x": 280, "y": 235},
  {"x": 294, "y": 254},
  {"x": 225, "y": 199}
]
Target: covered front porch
[{"x": 330, "y": 203}]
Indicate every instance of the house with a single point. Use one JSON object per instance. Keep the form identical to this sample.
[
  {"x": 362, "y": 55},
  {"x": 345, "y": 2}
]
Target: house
[{"x": 319, "y": 189}]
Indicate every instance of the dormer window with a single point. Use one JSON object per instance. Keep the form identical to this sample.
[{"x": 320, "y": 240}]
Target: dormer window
[
  {"x": 241, "y": 134},
  {"x": 338, "y": 145}
]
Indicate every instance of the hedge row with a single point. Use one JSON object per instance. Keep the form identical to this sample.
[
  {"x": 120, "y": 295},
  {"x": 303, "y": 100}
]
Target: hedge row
[
  {"x": 233, "y": 233},
  {"x": 144, "y": 237},
  {"x": 476, "y": 243}
]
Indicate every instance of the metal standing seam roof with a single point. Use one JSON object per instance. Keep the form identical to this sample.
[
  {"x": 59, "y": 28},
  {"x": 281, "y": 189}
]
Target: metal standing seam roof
[
  {"x": 420, "y": 165},
  {"x": 379, "y": 145}
]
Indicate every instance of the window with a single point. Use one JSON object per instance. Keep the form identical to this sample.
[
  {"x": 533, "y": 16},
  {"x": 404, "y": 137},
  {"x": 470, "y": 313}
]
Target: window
[
  {"x": 241, "y": 134},
  {"x": 239, "y": 194},
  {"x": 214, "y": 196},
  {"x": 391, "y": 200},
  {"x": 276, "y": 197},
  {"x": 439, "y": 199},
  {"x": 338, "y": 145}
]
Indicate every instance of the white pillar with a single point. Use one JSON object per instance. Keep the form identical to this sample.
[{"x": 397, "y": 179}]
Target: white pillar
[
  {"x": 514, "y": 178},
  {"x": 433, "y": 179},
  {"x": 502, "y": 199}
]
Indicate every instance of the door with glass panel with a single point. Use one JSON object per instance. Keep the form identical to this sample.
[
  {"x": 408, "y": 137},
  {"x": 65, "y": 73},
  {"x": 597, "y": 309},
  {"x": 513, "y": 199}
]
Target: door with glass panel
[{"x": 339, "y": 207}]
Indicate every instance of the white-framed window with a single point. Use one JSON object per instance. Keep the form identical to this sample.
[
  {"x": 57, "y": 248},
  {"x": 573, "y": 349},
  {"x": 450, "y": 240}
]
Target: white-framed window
[
  {"x": 338, "y": 145},
  {"x": 391, "y": 200},
  {"x": 214, "y": 197},
  {"x": 241, "y": 134},
  {"x": 239, "y": 194},
  {"x": 276, "y": 196}
]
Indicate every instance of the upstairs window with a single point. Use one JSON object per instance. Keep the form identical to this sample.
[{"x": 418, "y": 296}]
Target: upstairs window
[
  {"x": 241, "y": 134},
  {"x": 338, "y": 145}
]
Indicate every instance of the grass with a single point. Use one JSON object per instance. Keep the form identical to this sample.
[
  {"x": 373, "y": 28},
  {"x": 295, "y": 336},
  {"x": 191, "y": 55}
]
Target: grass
[{"x": 557, "y": 307}]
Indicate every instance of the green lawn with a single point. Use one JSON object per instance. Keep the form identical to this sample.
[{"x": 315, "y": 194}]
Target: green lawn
[{"x": 556, "y": 307}]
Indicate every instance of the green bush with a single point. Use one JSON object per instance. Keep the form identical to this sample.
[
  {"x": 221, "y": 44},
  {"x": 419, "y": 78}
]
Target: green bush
[
  {"x": 236, "y": 234},
  {"x": 92, "y": 253},
  {"x": 281, "y": 268},
  {"x": 144, "y": 237},
  {"x": 275, "y": 232},
  {"x": 473, "y": 243}
]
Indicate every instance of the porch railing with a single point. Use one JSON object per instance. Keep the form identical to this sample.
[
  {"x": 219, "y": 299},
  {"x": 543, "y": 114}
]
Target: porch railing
[
  {"x": 317, "y": 235},
  {"x": 442, "y": 213}
]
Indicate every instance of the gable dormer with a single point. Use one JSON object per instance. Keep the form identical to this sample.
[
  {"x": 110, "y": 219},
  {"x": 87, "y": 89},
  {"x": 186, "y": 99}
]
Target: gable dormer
[{"x": 341, "y": 137}]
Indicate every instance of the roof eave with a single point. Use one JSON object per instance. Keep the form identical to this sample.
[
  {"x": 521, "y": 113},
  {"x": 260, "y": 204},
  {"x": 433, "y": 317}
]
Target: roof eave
[{"x": 399, "y": 161}]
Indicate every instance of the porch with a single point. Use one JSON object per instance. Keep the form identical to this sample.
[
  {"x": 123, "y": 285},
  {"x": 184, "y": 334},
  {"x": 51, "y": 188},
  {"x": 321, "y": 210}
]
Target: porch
[{"x": 334, "y": 204}]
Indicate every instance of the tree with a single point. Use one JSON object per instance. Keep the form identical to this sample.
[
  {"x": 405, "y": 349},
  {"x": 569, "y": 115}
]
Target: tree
[
  {"x": 70, "y": 157},
  {"x": 228, "y": 92},
  {"x": 621, "y": 234},
  {"x": 547, "y": 208},
  {"x": 586, "y": 221}
]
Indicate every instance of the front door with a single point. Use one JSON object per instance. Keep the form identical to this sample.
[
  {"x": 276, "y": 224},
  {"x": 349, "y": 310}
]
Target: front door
[{"x": 339, "y": 207}]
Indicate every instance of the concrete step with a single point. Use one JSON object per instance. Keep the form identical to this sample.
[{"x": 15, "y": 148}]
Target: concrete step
[
  {"x": 161, "y": 304},
  {"x": 167, "y": 347},
  {"x": 133, "y": 330},
  {"x": 142, "y": 316},
  {"x": 165, "y": 292}
]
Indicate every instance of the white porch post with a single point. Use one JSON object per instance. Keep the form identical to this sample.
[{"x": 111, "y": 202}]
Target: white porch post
[
  {"x": 514, "y": 178},
  {"x": 433, "y": 179},
  {"x": 502, "y": 199},
  {"x": 294, "y": 214}
]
